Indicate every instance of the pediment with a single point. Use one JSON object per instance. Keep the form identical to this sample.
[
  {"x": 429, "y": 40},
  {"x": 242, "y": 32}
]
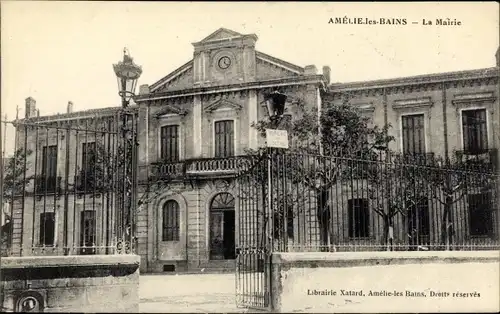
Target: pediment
[
  {"x": 181, "y": 78},
  {"x": 169, "y": 110},
  {"x": 221, "y": 33},
  {"x": 222, "y": 104},
  {"x": 269, "y": 67}
]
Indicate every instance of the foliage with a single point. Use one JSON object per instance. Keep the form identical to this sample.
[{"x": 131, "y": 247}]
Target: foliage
[
  {"x": 16, "y": 180},
  {"x": 319, "y": 153}
]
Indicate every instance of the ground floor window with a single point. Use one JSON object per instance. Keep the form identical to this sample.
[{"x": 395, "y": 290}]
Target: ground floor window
[{"x": 222, "y": 227}]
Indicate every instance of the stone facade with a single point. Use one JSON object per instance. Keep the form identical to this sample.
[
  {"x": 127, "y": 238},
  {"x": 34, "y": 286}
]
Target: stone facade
[{"x": 227, "y": 80}]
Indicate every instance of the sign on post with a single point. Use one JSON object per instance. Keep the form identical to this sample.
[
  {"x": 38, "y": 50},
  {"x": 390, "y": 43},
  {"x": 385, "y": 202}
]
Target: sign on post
[{"x": 277, "y": 138}]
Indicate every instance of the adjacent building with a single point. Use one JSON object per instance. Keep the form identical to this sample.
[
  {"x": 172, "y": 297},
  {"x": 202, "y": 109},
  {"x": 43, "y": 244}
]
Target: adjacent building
[{"x": 195, "y": 122}]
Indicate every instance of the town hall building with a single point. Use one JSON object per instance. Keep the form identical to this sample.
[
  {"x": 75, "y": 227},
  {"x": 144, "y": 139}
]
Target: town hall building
[{"x": 194, "y": 124}]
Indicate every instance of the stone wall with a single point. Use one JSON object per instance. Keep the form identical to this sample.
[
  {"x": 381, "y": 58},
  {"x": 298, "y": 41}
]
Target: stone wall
[
  {"x": 385, "y": 282},
  {"x": 99, "y": 283}
]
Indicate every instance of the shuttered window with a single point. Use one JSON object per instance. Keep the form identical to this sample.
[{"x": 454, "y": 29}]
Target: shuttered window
[
  {"x": 474, "y": 130},
  {"x": 413, "y": 134},
  {"x": 170, "y": 143},
  {"x": 224, "y": 138}
]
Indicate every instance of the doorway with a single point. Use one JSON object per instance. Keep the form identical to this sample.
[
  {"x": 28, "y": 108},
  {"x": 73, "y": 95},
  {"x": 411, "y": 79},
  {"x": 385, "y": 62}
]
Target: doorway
[{"x": 222, "y": 227}]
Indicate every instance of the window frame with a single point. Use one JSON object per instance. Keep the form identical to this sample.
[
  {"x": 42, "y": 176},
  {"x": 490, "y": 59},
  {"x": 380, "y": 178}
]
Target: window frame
[
  {"x": 352, "y": 223},
  {"x": 163, "y": 140},
  {"x": 42, "y": 227},
  {"x": 231, "y": 141},
  {"x": 486, "y": 202},
  {"x": 486, "y": 125},
  {"x": 170, "y": 226}
]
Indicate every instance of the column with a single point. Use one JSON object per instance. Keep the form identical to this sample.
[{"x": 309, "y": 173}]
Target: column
[
  {"x": 197, "y": 123},
  {"x": 252, "y": 117}
]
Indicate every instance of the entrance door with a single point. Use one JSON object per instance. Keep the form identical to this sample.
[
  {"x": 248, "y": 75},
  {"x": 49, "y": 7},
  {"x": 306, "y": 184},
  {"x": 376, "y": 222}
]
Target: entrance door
[
  {"x": 222, "y": 227},
  {"x": 87, "y": 232}
]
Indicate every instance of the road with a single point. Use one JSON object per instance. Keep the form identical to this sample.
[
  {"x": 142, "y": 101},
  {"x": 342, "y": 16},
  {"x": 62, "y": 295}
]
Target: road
[{"x": 194, "y": 293}]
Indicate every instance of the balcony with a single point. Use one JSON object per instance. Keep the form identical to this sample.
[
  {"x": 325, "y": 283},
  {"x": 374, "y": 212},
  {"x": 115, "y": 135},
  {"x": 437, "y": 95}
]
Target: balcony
[
  {"x": 87, "y": 184},
  {"x": 167, "y": 170},
  {"x": 414, "y": 158},
  {"x": 207, "y": 167},
  {"x": 47, "y": 185},
  {"x": 215, "y": 166},
  {"x": 486, "y": 159}
]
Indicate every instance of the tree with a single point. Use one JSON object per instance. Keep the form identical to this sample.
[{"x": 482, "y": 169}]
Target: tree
[
  {"x": 454, "y": 178},
  {"x": 15, "y": 182},
  {"x": 324, "y": 149},
  {"x": 397, "y": 184}
]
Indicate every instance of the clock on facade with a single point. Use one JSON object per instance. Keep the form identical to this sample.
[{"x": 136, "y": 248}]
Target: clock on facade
[{"x": 224, "y": 62}]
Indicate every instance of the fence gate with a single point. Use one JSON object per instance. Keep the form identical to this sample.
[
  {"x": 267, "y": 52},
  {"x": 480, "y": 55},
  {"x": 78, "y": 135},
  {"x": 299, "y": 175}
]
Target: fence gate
[
  {"x": 70, "y": 185},
  {"x": 253, "y": 254}
]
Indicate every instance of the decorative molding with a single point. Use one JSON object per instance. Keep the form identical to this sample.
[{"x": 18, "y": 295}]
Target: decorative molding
[
  {"x": 365, "y": 107},
  {"x": 484, "y": 76},
  {"x": 220, "y": 104},
  {"x": 171, "y": 110},
  {"x": 477, "y": 97},
  {"x": 424, "y": 102}
]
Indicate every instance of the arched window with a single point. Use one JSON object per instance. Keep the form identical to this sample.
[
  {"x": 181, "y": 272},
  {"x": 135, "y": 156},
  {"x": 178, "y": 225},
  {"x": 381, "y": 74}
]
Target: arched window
[{"x": 170, "y": 221}]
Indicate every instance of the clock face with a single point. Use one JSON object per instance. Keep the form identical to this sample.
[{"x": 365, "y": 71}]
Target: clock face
[{"x": 224, "y": 62}]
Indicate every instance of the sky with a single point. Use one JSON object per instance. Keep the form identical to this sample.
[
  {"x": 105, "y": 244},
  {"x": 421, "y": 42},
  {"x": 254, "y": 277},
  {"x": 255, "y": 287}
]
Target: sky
[{"x": 63, "y": 51}]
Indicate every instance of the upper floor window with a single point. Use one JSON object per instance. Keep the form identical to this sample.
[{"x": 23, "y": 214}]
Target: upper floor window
[
  {"x": 48, "y": 181},
  {"x": 359, "y": 218},
  {"x": 170, "y": 221},
  {"x": 88, "y": 157},
  {"x": 413, "y": 133},
  {"x": 474, "y": 130},
  {"x": 224, "y": 138},
  {"x": 170, "y": 143},
  {"x": 49, "y": 161}
]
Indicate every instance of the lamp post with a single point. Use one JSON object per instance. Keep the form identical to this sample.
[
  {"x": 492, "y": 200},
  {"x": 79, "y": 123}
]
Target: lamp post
[
  {"x": 127, "y": 74},
  {"x": 275, "y": 104}
]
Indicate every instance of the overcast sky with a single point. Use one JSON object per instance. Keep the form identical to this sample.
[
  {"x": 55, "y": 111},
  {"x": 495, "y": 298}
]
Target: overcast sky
[{"x": 61, "y": 51}]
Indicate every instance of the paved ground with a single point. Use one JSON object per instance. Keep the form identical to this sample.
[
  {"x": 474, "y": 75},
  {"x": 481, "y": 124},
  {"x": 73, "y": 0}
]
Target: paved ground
[{"x": 194, "y": 293}]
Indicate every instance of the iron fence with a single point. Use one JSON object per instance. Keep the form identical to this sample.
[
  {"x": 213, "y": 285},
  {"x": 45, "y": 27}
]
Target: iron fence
[
  {"x": 70, "y": 185},
  {"x": 385, "y": 202}
]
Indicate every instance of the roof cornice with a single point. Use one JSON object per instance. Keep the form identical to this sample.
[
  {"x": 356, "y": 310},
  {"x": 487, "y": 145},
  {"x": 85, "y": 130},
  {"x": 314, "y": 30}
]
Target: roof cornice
[
  {"x": 417, "y": 80},
  {"x": 296, "y": 80}
]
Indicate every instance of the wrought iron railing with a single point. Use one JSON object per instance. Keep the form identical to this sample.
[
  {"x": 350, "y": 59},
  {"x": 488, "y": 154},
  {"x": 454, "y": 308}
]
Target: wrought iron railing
[
  {"x": 404, "y": 203},
  {"x": 164, "y": 170},
  {"x": 484, "y": 158},
  {"x": 196, "y": 167},
  {"x": 91, "y": 222},
  {"x": 47, "y": 184},
  {"x": 214, "y": 165}
]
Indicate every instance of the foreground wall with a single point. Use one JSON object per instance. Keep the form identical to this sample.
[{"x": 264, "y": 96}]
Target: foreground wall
[
  {"x": 386, "y": 282},
  {"x": 98, "y": 283}
]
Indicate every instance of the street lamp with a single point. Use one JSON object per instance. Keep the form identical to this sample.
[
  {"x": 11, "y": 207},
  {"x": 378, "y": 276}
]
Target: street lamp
[
  {"x": 127, "y": 74},
  {"x": 275, "y": 104}
]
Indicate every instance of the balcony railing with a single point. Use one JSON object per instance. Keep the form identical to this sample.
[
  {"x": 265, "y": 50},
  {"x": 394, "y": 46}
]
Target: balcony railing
[
  {"x": 163, "y": 170},
  {"x": 47, "y": 184},
  {"x": 197, "y": 167},
  {"x": 214, "y": 165},
  {"x": 89, "y": 184},
  {"x": 487, "y": 158}
]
